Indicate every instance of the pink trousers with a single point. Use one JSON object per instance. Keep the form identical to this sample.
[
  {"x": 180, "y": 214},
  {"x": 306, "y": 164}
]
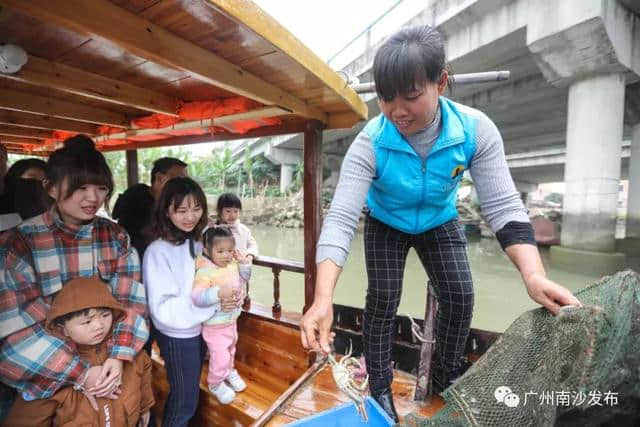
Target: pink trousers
[{"x": 221, "y": 341}]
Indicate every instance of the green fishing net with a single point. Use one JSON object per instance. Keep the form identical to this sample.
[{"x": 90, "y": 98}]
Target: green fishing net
[{"x": 580, "y": 368}]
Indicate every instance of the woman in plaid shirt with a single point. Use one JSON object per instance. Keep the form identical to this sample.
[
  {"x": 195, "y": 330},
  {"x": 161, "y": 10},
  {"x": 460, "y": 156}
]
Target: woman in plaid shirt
[{"x": 44, "y": 253}]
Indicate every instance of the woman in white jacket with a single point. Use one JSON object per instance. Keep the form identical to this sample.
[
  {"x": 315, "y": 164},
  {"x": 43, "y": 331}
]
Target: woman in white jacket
[{"x": 180, "y": 217}]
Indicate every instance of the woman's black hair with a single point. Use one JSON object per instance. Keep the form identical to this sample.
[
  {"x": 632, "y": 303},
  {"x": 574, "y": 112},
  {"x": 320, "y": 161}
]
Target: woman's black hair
[
  {"x": 18, "y": 168},
  {"x": 80, "y": 164},
  {"x": 407, "y": 60},
  {"x": 215, "y": 233},
  {"x": 173, "y": 194},
  {"x": 228, "y": 200},
  {"x": 16, "y": 192}
]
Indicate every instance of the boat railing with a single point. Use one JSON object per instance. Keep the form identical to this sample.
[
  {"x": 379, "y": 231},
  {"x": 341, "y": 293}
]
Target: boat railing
[{"x": 277, "y": 265}]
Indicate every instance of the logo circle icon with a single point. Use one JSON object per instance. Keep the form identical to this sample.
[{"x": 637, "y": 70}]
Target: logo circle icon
[
  {"x": 512, "y": 400},
  {"x": 501, "y": 392}
]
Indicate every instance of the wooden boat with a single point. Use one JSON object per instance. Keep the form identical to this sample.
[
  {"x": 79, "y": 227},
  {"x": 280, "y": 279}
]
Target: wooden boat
[{"x": 111, "y": 63}]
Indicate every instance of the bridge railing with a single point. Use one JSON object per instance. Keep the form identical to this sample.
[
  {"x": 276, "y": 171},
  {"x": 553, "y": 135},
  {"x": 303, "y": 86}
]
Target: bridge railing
[{"x": 398, "y": 14}]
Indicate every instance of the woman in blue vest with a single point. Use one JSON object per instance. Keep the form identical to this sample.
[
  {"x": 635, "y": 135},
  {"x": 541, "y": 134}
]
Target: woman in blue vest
[{"x": 407, "y": 163}]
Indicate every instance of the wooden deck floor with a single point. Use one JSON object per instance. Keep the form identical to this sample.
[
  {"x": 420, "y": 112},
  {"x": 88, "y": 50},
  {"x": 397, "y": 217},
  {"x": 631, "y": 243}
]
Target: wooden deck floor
[
  {"x": 320, "y": 393},
  {"x": 270, "y": 359}
]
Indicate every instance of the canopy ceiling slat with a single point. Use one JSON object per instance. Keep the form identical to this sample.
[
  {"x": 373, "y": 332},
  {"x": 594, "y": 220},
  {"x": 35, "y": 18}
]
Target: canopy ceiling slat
[
  {"x": 45, "y": 73},
  {"x": 191, "y": 89},
  {"x": 45, "y": 122},
  {"x": 18, "y": 140},
  {"x": 286, "y": 128},
  {"x": 38, "y": 38},
  {"x": 9, "y": 130},
  {"x": 111, "y": 61},
  {"x": 51, "y": 92},
  {"x": 30, "y": 103}
]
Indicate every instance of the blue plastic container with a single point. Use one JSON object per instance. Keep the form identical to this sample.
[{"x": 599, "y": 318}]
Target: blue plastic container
[{"x": 347, "y": 416}]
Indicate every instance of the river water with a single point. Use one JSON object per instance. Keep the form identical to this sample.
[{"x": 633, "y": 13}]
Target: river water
[{"x": 500, "y": 295}]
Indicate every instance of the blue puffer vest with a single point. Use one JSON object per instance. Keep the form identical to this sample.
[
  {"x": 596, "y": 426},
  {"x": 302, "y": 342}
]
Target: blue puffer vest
[{"x": 412, "y": 195}]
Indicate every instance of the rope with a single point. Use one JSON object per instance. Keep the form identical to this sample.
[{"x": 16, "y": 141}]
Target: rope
[{"x": 417, "y": 333}]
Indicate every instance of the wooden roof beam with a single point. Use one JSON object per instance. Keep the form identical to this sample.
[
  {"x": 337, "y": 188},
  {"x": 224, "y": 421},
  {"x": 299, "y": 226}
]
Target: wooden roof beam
[
  {"x": 21, "y": 132},
  {"x": 147, "y": 40},
  {"x": 197, "y": 124},
  {"x": 287, "y": 128},
  {"x": 343, "y": 120},
  {"x": 14, "y": 148},
  {"x": 27, "y": 120},
  {"x": 59, "y": 76},
  {"x": 30, "y": 103},
  {"x": 17, "y": 140}
]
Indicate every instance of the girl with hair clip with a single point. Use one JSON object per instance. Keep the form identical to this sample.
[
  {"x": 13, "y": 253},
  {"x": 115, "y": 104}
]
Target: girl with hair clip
[
  {"x": 180, "y": 216},
  {"x": 407, "y": 164},
  {"x": 219, "y": 277},
  {"x": 44, "y": 253},
  {"x": 229, "y": 208}
]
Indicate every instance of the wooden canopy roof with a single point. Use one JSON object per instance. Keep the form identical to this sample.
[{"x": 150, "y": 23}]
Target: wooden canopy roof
[{"x": 108, "y": 62}]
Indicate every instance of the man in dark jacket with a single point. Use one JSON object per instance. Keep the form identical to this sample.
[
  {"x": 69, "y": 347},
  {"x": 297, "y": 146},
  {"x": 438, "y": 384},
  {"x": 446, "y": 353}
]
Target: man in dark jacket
[{"x": 134, "y": 208}]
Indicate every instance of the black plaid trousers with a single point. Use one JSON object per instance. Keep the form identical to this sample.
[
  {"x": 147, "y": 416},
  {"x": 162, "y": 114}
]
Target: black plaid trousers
[{"x": 442, "y": 252}]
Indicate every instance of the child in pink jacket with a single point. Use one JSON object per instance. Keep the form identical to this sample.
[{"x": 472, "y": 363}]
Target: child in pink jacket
[{"x": 218, "y": 277}]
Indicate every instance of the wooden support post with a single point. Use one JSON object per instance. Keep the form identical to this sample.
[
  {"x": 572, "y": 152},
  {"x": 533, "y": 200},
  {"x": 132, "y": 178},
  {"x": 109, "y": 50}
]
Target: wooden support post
[
  {"x": 246, "y": 304},
  {"x": 132, "y": 167},
  {"x": 276, "y": 309},
  {"x": 312, "y": 205},
  {"x": 424, "y": 384}
]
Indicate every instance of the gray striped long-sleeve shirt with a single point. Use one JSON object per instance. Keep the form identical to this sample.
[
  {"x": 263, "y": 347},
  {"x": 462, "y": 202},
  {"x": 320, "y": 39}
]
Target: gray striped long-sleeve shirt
[{"x": 499, "y": 200}]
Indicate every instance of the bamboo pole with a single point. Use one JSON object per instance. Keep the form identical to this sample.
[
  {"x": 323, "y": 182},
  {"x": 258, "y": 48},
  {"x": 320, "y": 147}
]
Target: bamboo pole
[{"x": 309, "y": 373}]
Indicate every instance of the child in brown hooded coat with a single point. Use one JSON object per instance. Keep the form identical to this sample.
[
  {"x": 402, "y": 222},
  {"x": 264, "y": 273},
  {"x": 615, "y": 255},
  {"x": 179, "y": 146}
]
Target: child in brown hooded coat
[{"x": 82, "y": 314}]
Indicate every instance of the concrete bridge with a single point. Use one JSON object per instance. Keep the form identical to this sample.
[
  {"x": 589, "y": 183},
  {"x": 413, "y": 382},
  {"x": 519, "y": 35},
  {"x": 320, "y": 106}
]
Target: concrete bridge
[{"x": 570, "y": 111}]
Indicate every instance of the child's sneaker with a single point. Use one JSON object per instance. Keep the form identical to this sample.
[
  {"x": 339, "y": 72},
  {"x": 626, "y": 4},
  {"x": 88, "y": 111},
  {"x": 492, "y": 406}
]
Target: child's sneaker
[
  {"x": 222, "y": 391},
  {"x": 236, "y": 382}
]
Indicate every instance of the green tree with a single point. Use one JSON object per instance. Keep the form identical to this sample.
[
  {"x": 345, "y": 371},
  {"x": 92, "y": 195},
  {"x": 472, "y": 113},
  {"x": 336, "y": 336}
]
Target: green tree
[
  {"x": 118, "y": 164},
  {"x": 298, "y": 178},
  {"x": 248, "y": 168},
  {"x": 263, "y": 170},
  {"x": 200, "y": 170},
  {"x": 221, "y": 162}
]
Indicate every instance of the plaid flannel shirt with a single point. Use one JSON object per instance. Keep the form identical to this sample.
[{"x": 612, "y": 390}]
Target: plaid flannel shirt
[{"x": 37, "y": 258}]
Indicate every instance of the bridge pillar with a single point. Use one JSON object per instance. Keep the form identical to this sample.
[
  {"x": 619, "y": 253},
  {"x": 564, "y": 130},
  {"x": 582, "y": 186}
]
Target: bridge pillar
[
  {"x": 287, "y": 159},
  {"x": 286, "y": 176},
  {"x": 588, "y": 46},
  {"x": 592, "y": 169},
  {"x": 592, "y": 175},
  {"x": 633, "y": 202}
]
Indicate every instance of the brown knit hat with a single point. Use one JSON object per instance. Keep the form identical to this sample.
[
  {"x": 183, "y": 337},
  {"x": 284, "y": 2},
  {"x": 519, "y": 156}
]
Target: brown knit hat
[{"x": 80, "y": 294}]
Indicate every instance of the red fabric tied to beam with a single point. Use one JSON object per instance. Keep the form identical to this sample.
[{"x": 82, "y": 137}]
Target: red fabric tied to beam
[
  {"x": 199, "y": 110},
  {"x": 61, "y": 135},
  {"x": 155, "y": 121},
  {"x": 108, "y": 130}
]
